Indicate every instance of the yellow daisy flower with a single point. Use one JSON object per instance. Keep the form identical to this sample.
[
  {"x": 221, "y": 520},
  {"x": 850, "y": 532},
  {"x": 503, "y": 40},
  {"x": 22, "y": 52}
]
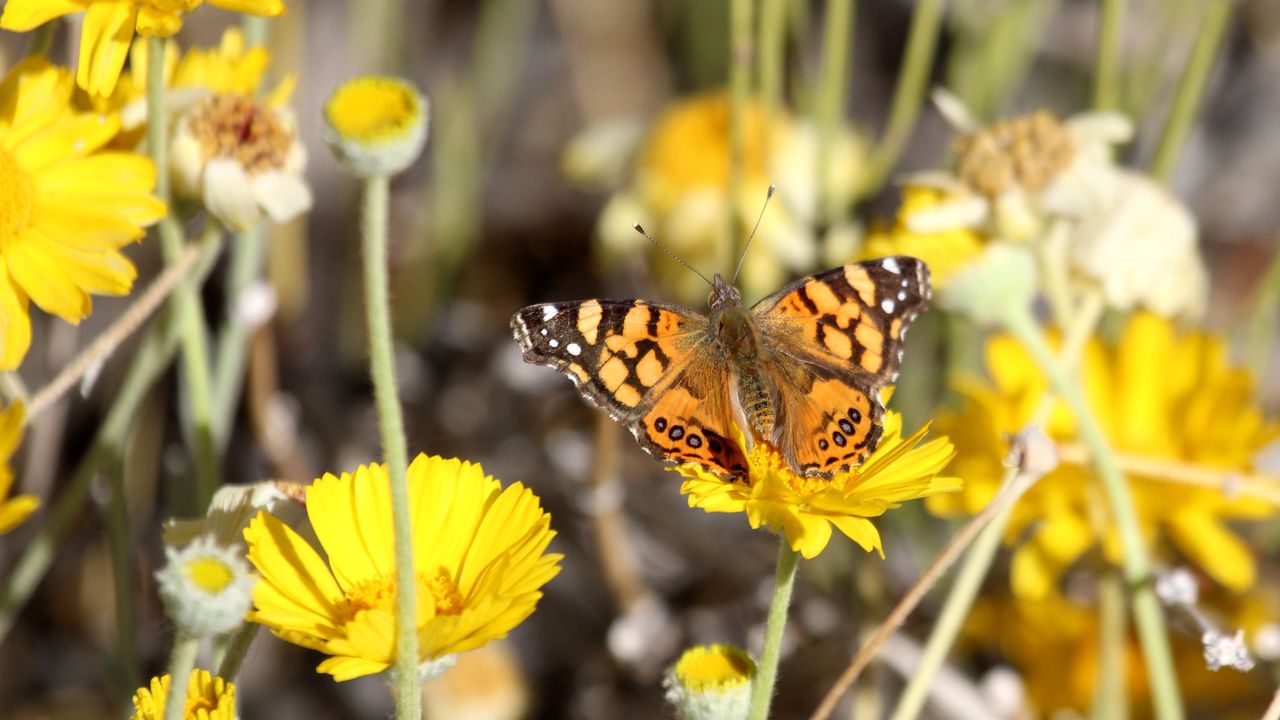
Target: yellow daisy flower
[
  {"x": 479, "y": 551},
  {"x": 208, "y": 698},
  {"x": 680, "y": 192},
  {"x": 1174, "y": 410},
  {"x": 806, "y": 508},
  {"x": 946, "y": 247},
  {"x": 109, "y": 27},
  {"x": 66, "y": 208},
  {"x": 13, "y": 510}
]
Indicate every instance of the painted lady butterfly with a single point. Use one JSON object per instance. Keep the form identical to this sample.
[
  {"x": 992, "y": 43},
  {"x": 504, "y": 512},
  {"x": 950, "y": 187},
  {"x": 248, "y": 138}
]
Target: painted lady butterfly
[{"x": 802, "y": 369}]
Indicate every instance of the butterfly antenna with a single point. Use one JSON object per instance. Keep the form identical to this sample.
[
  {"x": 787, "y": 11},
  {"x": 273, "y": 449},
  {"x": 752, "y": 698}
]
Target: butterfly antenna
[
  {"x": 752, "y": 236},
  {"x": 670, "y": 254}
]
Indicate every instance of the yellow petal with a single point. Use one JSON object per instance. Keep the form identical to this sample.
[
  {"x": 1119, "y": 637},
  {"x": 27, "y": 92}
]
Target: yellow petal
[
  {"x": 861, "y": 531},
  {"x": 43, "y": 280},
  {"x": 119, "y": 182},
  {"x": 1033, "y": 575},
  {"x": 153, "y": 22},
  {"x": 24, "y": 15},
  {"x": 1215, "y": 548},
  {"x": 32, "y": 96},
  {"x": 16, "y": 510},
  {"x": 15, "y": 323},
  {"x": 79, "y": 225},
  {"x": 104, "y": 45},
  {"x": 296, "y": 582},
  {"x": 266, "y": 8}
]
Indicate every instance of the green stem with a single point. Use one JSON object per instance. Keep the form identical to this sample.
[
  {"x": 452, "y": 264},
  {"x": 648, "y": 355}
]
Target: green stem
[
  {"x": 1148, "y": 615},
  {"x": 256, "y": 29},
  {"x": 373, "y": 225},
  {"x": 1109, "y": 695},
  {"x": 837, "y": 47},
  {"x": 740, "y": 56},
  {"x": 152, "y": 358},
  {"x": 1213, "y": 26},
  {"x": 908, "y": 96},
  {"x": 1106, "y": 81},
  {"x": 784, "y": 580},
  {"x": 181, "y": 662},
  {"x": 772, "y": 44},
  {"x": 236, "y": 650},
  {"x": 125, "y": 666},
  {"x": 195, "y": 351},
  {"x": 247, "y": 253}
]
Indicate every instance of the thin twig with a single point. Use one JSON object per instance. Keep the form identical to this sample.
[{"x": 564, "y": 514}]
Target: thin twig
[
  {"x": 105, "y": 344},
  {"x": 1260, "y": 486},
  {"x": 1019, "y": 485},
  {"x": 1273, "y": 710}
]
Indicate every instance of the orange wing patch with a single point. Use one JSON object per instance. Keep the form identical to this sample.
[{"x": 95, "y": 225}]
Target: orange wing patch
[
  {"x": 830, "y": 427},
  {"x": 687, "y": 426}
]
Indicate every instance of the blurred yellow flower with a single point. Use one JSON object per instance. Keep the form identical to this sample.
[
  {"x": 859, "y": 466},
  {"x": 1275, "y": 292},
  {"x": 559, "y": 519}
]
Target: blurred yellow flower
[
  {"x": 479, "y": 552},
  {"x": 66, "y": 208},
  {"x": 208, "y": 698},
  {"x": 806, "y": 508},
  {"x": 945, "y": 247},
  {"x": 1169, "y": 403},
  {"x": 375, "y": 125},
  {"x": 109, "y": 27},
  {"x": 13, "y": 510},
  {"x": 680, "y": 193}
]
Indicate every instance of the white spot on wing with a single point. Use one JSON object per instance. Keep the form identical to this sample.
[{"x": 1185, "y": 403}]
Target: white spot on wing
[
  {"x": 543, "y": 331},
  {"x": 887, "y": 305},
  {"x": 891, "y": 265},
  {"x": 902, "y": 295},
  {"x": 548, "y": 312},
  {"x": 574, "y": 349},
  {"x": 553, "y": 343}
]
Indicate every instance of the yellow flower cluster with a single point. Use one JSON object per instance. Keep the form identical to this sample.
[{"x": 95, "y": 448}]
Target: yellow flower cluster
[{"x": 1172, "y": 407}]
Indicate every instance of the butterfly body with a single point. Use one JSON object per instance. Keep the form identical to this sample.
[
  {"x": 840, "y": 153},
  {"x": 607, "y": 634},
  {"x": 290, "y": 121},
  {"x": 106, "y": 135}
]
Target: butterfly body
[{"x": 802, "y": 369}]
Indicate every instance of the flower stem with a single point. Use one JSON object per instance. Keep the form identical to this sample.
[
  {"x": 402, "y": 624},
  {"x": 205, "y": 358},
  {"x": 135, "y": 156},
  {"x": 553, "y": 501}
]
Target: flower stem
[
  {"x": 195, "y": 351},
  {"x": 1106, "y": 80},
  {"x": 373, "y": 227},
  {"x": 740, "y": 61},
  {"x": 151, "y": 359},
  {"x": 237, "y": 648},
  {"x": 908, "y": 96},
  {"x": 125, "y": 665},
  {"x": 236, "y": 331},
  {"x": 837, "y": 47},
  {"x": 41, "y": 39},
  {"x": 1148, "y": 615},
  {"x": 181, "y": 662},
  {"x": 784, "y": 580},
  {"x": 772, "y": 46},
  {"x": 1213, "y": 26},
  {"x": 1109, "y": 695},
  {"x": 1262, "y": 320}
]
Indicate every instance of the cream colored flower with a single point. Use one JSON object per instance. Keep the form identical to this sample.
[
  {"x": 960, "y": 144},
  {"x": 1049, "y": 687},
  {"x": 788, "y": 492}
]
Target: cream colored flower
[{"x": 240, "y": 158}]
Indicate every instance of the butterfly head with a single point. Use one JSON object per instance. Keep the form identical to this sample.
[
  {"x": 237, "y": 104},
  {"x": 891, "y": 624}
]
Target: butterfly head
[{"x": 723, "y": 295}]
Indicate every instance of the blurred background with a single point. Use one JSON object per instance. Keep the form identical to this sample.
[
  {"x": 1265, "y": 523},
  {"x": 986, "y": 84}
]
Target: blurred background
[{"x": 543, "y": 123}]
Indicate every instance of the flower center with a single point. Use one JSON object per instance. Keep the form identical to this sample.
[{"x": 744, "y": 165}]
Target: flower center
[
  {"x": 380, "y": 592},
  {"x": 210, "y": 574},
  {"x": 1029, "y": 150},
  {"x": 233, "y": 126},
  {"x": 374, "y": 109},
  {"x": 16, "y": 200},
  {"x": 714, "y": 666}
]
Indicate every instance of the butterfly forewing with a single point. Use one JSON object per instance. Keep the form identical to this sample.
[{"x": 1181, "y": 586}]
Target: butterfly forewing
[
  {"x": 655, "y": 368},
  {"x": 833, "y": 340}
]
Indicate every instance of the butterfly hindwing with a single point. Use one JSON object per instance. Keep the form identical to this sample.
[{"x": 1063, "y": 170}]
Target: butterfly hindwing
[
  {"x": 835, "y": 340},
  {"x": 653, "y": 367}
]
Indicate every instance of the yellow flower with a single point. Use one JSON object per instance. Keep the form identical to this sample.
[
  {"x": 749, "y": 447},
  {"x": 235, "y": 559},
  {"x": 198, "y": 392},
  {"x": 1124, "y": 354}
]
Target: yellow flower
[
  {"x": 806, "y": 508},
  {"x": 208, "y": 698},
  {"x": 681, "y": 193},
  {"x": 13, "y": 510},
  {"x": 66, "y": 208},
  {"x": 711, "y": 682},
  {"x": 109, "y": 27},
  {"x": 478, "y": 552},
  {"x": 946, "y": 247},
  {"x": 376, "y": 126},
  {"x": 1172, "y": 408}
]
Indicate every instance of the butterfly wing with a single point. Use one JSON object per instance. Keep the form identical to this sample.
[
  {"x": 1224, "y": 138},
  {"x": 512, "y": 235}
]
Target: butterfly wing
[
  {"x": 832, "y": 342},
  {"x": 654, "y": 368}
]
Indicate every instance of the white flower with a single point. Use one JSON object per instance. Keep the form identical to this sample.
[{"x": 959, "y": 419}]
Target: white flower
[
  {"x": 240, "y": 158},
  {"x": 207, "y": 588}
]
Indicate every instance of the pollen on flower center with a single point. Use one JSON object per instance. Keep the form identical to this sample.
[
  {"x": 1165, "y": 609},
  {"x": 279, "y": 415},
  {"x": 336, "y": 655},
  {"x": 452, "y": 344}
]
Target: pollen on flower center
[
  {"x": 375, "y": 592},
  {"x": 445, "y": 592},
  {"x": 234, "y": 126},
  {"x": 17, "y": 199},
  {"x": 210, "y": 574},
  {"x": 1029, "y": 150}
]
